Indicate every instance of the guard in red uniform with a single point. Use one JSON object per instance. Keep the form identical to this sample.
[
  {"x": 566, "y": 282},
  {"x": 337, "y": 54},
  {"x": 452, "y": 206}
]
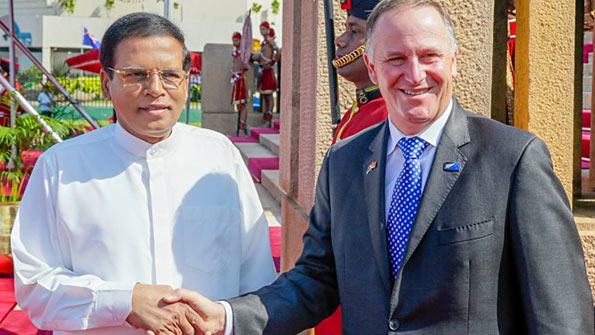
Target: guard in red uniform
[
  {"x": 368, "y": 108},
  {"x": 267, "y": 83},
  {"x": 238, "y": 84}
]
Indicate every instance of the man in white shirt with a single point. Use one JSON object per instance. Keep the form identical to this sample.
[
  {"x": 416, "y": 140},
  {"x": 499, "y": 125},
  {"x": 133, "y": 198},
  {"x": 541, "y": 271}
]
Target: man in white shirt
[
  {"x": 113, "y": 219},
  {"x": 456, "y": 224}
]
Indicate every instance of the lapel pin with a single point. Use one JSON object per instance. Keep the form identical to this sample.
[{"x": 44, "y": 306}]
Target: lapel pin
[
  {"x": 452, "y": 166},
  {"x": 371, "y": 167}
]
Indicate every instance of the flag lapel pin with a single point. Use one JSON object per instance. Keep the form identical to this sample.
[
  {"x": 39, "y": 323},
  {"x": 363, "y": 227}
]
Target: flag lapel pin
[
  {"x": 371, "y": 167},
  {"x": 452, "y": 166}
]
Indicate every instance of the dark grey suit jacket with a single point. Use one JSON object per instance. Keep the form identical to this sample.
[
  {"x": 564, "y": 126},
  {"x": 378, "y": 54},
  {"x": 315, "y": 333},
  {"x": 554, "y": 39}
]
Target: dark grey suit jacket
[{"x": 493, "y": 250}]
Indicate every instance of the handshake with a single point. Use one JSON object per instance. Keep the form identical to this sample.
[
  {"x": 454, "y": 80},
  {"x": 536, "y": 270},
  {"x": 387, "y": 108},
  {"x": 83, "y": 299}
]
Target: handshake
[{"x": 161, "y": 310}]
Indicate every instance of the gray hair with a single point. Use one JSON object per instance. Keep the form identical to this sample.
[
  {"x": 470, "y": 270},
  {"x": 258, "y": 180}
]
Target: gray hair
[{"x": 386, "y": 5}]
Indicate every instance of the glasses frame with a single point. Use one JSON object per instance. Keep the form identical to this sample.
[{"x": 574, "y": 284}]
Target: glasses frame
[{"x": 159, "y": 73}]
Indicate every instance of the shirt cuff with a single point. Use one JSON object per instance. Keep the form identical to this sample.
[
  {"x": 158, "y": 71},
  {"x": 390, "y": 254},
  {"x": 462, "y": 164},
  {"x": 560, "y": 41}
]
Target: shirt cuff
[
  {"x": 228, "y": 317},
  {"x": 115, "y": 299}
]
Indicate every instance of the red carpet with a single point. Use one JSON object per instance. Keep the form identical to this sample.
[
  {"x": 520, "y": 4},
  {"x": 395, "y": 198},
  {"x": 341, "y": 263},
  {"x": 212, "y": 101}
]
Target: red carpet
[
  {"x": 256, "y": 165},
  {"x": 255, "y": 132},
  {"x": 242, "y": 139},
  {"x": 275, "y": 239}
]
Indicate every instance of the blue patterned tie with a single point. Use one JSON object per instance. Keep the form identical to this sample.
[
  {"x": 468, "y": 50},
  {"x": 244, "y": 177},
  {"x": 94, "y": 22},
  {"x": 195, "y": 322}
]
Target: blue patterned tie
[{"x": 404, "y": 201}]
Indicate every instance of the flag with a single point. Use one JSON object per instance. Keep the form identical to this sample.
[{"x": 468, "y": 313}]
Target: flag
[
  {"x": 246, "y": 41},
  {"x": 89, "y": 40}
]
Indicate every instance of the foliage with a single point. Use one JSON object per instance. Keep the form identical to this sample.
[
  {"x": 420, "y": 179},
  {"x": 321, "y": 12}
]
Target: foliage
[
  {"x": 87, "y": 84},
  {"x": 256, "y": 7},
  {"x": 176, "y": 5},
  {"x": 195, "y": 92},
  {"x": 69, "y": 5},
  {"x": 275, "y": 7},
  {"x": 27, "y": 134},
  {"x": 30, "y": 77}
]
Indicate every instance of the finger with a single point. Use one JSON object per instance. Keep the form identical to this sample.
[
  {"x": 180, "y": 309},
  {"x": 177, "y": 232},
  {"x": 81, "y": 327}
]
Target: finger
[
  {"x": 149, "y": 332},
  {"x": 171, "y": 298},
  {"x": 186, "y": 327},
  {"x": 197, "y": 322}
]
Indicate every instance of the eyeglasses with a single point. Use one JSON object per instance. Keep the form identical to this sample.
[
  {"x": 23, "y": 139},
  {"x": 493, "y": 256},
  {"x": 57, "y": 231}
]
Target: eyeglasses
[{"x": 170, "y": 78}]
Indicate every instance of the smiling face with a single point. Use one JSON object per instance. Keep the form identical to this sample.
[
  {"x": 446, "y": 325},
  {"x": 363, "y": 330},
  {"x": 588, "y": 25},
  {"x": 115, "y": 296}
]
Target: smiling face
[
  {"x": 352, "y": 38},
  {"x": 147, "y": 111},
  {"x": 413, "y": 65}
]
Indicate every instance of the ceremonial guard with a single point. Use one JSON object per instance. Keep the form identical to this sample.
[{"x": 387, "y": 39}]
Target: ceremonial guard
[
  {"x": 368, "y": 108},
  {"x": 268, "y": 56},
  {"x": 238, "y": 91}
]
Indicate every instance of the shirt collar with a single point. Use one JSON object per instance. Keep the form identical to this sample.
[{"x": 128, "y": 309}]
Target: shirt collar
[
  {"x": 143, "y": 149},
  {"x": 431, "y": 134}
]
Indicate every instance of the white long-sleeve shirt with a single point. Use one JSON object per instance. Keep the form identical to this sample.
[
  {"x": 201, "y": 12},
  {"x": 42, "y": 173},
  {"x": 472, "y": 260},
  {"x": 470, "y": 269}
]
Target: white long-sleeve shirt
[{"x": 106, "y": 210}]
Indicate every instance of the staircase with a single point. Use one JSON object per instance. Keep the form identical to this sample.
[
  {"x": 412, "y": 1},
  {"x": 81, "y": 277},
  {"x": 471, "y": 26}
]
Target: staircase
[{"x": 260, "y": 152}]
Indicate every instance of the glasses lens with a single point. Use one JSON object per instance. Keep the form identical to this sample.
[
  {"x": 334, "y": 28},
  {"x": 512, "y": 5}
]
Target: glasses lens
[{"x": 172, "y": 78}]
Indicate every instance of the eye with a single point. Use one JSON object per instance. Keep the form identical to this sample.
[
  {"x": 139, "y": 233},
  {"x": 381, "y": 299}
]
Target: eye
[
  {"x": 430, "y": 57},
  {"x": 173, "y": 75},
  {"x": 397, "y": 60},
  {"x": 137, "y": 74}
]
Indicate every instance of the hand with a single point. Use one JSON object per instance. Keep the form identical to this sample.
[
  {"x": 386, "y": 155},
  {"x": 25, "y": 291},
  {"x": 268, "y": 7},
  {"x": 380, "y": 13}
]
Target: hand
[
  {"x": 151, "y": 313},
  {"x": 212, "y": 314}
]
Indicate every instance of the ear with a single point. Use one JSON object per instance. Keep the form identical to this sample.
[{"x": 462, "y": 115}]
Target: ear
[
  {"x": 453, "y": 70},
  {"x": 105, "y": 85},
  {"x": 185, "y": 86},
  {"x": 371, "y": 69}
]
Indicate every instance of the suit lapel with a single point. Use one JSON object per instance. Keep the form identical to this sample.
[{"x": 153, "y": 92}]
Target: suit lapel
[
  {"x": 440, "y": 181},
  {"x": 373, "y": 171}
]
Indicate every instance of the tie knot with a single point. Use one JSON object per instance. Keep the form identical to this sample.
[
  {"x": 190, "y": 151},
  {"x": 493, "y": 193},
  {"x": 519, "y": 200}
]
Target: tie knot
[{"x": 412, "y": 147}]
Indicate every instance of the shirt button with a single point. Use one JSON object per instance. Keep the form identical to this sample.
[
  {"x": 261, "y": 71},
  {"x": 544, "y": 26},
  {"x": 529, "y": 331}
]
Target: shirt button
[
  {"x": 393, "y": 324},
  {"x": 153, "y": 151}
]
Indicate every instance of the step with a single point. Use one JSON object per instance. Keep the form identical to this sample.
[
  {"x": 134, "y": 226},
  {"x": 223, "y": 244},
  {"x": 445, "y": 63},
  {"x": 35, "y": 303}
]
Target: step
[
  {"x": 270, "y": 181},
  {"x": 257, "y": 157},
  {"x": 587, "y": 83},
  {"x": 271, "y": 141},
  {"x": 256, "y": 132},
  {"x": 587, "y": 69},
  {"x": 586, "y": 100},
  {"x": 588, "y": 37}
]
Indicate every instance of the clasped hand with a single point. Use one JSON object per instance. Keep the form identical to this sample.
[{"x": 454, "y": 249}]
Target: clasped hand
[{"x": 160, "y": 310}]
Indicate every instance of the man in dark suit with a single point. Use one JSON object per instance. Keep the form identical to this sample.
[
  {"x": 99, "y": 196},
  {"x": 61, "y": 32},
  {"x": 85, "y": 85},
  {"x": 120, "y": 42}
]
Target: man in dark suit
[{"x": 462, "y": 227}]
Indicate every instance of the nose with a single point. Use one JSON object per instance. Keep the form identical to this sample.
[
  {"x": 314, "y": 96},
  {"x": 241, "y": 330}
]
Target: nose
[
  {"x": 154, "y": 86},
  {"x": 415, "y": 72},
  {"x": 340, "y": 41}
]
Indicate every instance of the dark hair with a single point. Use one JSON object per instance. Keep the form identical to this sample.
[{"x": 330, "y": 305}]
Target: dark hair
[
  {"x": 386, "y": 5},
  {"x": 138, "y": 25}
]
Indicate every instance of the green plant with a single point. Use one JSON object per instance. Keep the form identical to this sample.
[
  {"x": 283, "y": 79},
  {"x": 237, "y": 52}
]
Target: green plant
[
  {"x": 176, "y": 5},
  {"x": 109, "y": 4},
  {"x": 28, "y": 134},
  {"x": 67, "y": 5},
  {"x": 275, "y": 7},
  {"x": 256, "y": 7}
]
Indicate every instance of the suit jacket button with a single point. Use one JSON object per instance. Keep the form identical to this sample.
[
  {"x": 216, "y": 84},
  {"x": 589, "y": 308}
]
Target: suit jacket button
[{"x": 393, "y": 324}]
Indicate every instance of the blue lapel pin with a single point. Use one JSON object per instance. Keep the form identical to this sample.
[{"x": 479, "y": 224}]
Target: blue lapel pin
[
  {"x": 371, "y": 167},
  {"x": 452, "y": 166}
]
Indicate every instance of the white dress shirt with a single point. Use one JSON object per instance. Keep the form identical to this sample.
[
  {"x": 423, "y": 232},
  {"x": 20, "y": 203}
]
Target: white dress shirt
[
  {"x": 106, "y": 210},
  {"x": 395, "y": 159}
]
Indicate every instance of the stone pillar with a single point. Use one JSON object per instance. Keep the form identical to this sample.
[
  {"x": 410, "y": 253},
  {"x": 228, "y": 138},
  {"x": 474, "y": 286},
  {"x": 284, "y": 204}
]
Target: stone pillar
[
  {"x": 544, "y": 98},
  {"x": 473, "y": 21},
  {"x": 217, "y": 111},
  {"x": 305, "y": 117}
]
